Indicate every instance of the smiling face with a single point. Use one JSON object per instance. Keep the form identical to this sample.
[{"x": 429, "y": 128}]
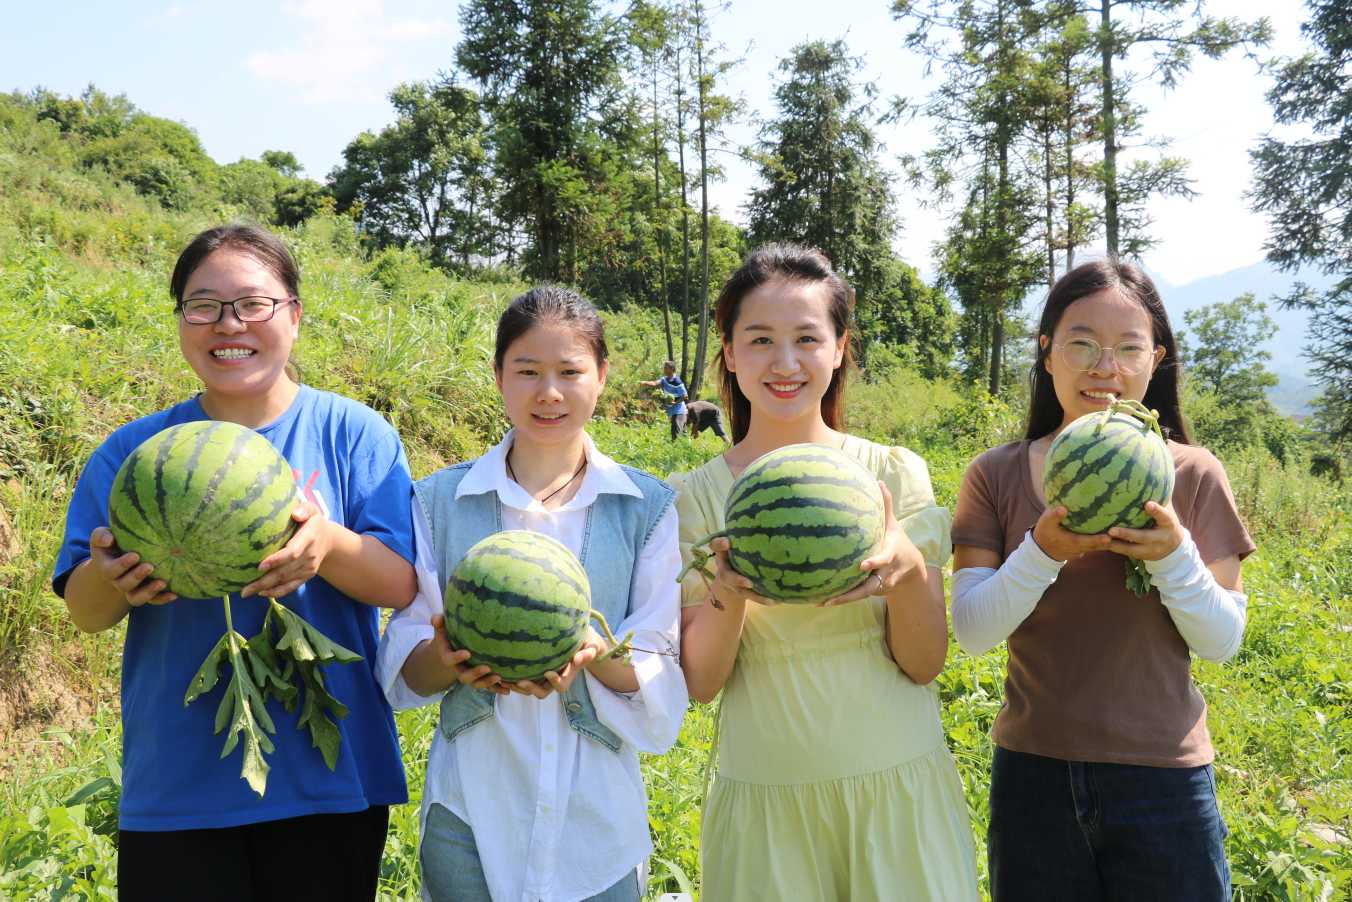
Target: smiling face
[
  {"x": 239, "y": 362},
  {"x": 550, "y": 381},
  {"x": 784, "y": 349},
  {"x": 1110, "y": 320}
]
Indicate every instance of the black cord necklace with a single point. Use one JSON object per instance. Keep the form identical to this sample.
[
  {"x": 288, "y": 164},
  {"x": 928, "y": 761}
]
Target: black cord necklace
[{"x": 582, "y": 466}]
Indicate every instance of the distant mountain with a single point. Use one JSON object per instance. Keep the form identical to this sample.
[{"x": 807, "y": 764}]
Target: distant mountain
[{"x": 1293, "y": 394}]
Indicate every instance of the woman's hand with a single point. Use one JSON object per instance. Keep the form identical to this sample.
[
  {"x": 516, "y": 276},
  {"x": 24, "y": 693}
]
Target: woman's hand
[
  {"x": 1059, "y": 543},
  {"x": 452, "y": 661},
  {"x": 895, "y": 558},
  {"x": 1152, "y": 543},
  {"x": 559, "y": 681},
  {"x": 286, "y": 570},
  {"x": 729, "y": 586},
  {"x": 125, "y": 572}
]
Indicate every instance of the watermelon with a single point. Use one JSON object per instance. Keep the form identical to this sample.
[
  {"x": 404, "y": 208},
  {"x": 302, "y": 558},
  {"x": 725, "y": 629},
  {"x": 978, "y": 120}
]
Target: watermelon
[
  {"x": 204, "y": 502},
  {"x": 519, "y": 601},
  {"x": 799, "y": 521},
  {"x": 1104, "y": 467}
]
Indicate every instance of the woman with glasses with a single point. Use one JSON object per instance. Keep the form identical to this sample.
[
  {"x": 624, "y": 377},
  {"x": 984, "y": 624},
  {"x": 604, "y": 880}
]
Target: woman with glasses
[
  {"x": 1101, "y": 786},
  {"x": 190, "y": 827}
]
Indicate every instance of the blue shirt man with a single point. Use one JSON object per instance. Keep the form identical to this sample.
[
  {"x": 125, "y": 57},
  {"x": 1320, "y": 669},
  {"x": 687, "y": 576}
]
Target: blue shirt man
[{"x": 671, "y": 384}]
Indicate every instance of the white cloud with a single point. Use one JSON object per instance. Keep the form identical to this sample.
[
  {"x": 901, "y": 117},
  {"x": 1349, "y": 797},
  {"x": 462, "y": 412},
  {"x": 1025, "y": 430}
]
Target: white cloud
[{"x": 345, "y": 49}]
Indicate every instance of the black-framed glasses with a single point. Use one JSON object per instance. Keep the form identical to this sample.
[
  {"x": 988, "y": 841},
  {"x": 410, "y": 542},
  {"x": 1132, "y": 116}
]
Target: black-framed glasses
[
  {"x": 1083, "y": 354},
  {"x": 251, "y": 309}
]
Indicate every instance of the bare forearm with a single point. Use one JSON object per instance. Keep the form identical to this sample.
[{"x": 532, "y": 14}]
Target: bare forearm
[
  {"x": 94, "y": 604},
  {"x": 363, "y": 568},
  {"x": 424, "y": 672},
  {"x": 917, "y": 625},
  {"x": 709, "y": 642},
  {"x": 615, "y": 674}
]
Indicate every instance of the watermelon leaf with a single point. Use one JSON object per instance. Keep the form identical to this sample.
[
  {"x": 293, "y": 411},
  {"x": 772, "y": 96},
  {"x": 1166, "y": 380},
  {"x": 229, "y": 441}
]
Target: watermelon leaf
[
  {"x": 1138, "y": 578},
  {"x": 269, "y": 672},
  {"x": 244, "y": 709},
  {"x": 209, "y": 673},
  {"x": 306, "y": 643},
  {"x": 323, "y": 730}
]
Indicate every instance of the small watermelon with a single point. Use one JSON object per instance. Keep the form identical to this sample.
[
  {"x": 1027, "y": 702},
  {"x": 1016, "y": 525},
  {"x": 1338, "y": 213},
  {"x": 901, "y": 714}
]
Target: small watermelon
[
  {"x": 799, "y": 520},
  {"x": 1104, "y": 467},
  {"x": 204, "y": 502},
  {"x": 519, "y": 601}
]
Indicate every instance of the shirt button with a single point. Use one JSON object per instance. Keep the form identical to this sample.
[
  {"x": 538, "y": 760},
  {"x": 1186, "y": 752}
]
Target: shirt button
[{"x": 574, "y": 707}]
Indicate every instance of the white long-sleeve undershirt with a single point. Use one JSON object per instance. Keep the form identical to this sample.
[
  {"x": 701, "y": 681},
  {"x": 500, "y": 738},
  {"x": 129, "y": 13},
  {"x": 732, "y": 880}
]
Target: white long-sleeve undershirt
[{"x": 989, "y": 604}]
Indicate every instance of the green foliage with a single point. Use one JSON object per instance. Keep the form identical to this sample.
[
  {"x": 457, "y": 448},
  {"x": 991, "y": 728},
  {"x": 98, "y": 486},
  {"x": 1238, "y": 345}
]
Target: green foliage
[
  {"x": 423, "y": 179},
  {"x": 159, "y": 158},
  {"x": 1224, "y": 352},
  {"x": 87, "y": 342},
  {"x": 1305, "y": 188},
  {"x": 823, "y": 185}
]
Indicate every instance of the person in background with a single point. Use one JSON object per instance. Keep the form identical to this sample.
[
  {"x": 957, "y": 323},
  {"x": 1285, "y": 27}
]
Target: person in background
[
  {"x": 189, "y": 826},
  {"x": 701, "y": 415},
  {"x": 671, "y": 384},
  {"x": 1101, "y": 785}
]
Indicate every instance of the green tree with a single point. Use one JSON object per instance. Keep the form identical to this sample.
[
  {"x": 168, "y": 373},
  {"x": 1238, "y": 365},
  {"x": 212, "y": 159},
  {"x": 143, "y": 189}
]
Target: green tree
[
  {"x": 712, "y": 112},
  {"x": 1174, "y": 30},
  {"x": 822, "y": 184},
  {"x": 549, "y": 72},
  {"x": 422, "y": 180},
  {"x": 283, "y": 161},
  {"x": 1304, "y": 185},
  {"x": 982, "y": 112},
  {"x": 159, "y": 158},
  {"x": 1223, "y": 351}
]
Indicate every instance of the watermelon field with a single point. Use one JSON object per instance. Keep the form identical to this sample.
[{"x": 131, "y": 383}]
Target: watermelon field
[{"x": 87, "y": 342}]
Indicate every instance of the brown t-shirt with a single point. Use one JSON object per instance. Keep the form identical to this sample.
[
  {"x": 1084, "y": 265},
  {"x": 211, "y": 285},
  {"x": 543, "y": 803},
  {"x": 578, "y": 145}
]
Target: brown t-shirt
[{"x": 1095, "y": 673}]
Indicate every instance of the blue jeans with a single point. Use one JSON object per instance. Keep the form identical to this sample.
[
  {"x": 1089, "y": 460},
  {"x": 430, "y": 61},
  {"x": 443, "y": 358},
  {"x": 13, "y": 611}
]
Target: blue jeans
[
  {"x": 1085, "y": 832},
  {"x": 451, "y": 871}
]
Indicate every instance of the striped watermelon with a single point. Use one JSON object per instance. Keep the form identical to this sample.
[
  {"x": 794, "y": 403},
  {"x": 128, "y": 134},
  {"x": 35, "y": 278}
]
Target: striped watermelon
[
  {"x": 519, "y": 602},
  {"x": 204, "y": 502},
  {"x": 1106, "y": 465},
  {"x": 799, "y": 521}
]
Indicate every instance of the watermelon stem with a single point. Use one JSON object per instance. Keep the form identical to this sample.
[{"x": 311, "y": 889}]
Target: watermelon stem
[
  {"x": 1138, "y": 410},
  {"x": 618, "y": 649},
  {"x": 699, "y": 562}
]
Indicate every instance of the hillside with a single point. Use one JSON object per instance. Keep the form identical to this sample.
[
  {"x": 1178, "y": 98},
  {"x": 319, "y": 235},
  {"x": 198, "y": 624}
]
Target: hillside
[{"x": 88, "y": 341}]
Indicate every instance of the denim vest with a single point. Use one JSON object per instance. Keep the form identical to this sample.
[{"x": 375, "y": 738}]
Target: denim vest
[{"x": 616, "y": 531}]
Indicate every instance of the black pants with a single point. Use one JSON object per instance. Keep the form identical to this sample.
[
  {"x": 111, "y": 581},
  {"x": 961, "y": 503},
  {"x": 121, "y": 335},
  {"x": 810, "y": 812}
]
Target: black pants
[{"x": 317, "y": 856}]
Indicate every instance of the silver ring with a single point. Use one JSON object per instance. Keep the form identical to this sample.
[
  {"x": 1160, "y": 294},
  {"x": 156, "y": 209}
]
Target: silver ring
[{"x": 880, "y": 578}]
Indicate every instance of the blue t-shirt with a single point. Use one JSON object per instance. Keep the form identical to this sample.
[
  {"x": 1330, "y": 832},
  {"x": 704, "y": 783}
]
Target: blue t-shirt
[
  {"x": 348, "y": 461},
  {"x": 676, "y": 388}
]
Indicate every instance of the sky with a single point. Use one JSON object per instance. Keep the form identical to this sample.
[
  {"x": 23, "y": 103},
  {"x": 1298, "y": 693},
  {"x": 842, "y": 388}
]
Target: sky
[{"x": 309, "y": 75}]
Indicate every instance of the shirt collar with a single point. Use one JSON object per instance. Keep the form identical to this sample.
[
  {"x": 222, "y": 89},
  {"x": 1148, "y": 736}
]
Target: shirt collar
[{"x": 489, "y": 474}]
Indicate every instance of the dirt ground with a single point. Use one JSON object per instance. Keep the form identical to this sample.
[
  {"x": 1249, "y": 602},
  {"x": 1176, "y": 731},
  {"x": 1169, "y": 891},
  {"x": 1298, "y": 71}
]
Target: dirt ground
[{"x": 49, "y": 691}]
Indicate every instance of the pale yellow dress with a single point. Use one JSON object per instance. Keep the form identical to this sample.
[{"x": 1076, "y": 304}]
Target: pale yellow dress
[{"x": 833, "y": 779}]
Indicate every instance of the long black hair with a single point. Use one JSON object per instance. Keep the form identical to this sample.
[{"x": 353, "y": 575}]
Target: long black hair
[
  {"x": 794, "y": 263},
  {"x": 1044, "y": 410}
]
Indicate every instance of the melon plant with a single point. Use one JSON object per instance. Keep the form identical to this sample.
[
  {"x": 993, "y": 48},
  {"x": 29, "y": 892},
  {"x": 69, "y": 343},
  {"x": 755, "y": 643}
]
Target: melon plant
[
  {"x": 205, "y": 502},
  {"x": 519, "y": 601},
  {"x": 1104, "y": 467},
  {"x": 799, "y": 521}
]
